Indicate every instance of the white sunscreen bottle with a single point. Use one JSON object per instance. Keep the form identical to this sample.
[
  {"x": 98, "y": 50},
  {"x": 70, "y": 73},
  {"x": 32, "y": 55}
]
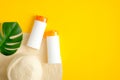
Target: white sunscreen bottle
[
  {"x": 53, "y": 47},
  {"x": 36, "y": 35}
]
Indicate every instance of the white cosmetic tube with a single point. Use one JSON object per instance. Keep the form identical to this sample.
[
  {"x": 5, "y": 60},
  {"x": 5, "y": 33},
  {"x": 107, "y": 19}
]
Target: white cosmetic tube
[
  {"x": 36, "y": 35},
  {"x": 53, "y": 47}
]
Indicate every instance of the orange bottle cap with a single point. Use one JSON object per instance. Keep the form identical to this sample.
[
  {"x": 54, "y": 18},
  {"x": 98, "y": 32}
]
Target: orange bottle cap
[
  {"x": 41, "y": 18},
  {"x": 51, "y": 33}
]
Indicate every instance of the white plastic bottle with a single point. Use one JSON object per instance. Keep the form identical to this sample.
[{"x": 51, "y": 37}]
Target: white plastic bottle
[
  {"x": 36, "y": 35},
  {"x": 53, "y": 47}
]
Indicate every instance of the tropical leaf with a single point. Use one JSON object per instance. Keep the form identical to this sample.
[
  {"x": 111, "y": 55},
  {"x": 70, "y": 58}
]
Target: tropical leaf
[{"x": 10, "y": 38}]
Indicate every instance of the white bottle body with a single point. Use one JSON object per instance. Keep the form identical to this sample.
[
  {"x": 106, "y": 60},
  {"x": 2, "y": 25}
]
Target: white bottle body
[
  {"x": 53, "y": 49},
  {"x": 36, "y": 35}
]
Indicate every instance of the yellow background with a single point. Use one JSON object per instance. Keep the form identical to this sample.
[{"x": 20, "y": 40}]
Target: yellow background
[{"x": 89, "y": 32}]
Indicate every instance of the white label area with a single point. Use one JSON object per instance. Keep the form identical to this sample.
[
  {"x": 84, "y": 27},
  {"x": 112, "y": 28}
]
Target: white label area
[
  {"x": 36, "y": 35},
  {"x": 53, "y": 49}
]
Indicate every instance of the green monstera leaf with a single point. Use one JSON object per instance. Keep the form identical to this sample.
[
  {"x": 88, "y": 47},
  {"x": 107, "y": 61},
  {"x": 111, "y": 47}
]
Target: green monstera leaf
[{"x": 10, "y": 38}]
